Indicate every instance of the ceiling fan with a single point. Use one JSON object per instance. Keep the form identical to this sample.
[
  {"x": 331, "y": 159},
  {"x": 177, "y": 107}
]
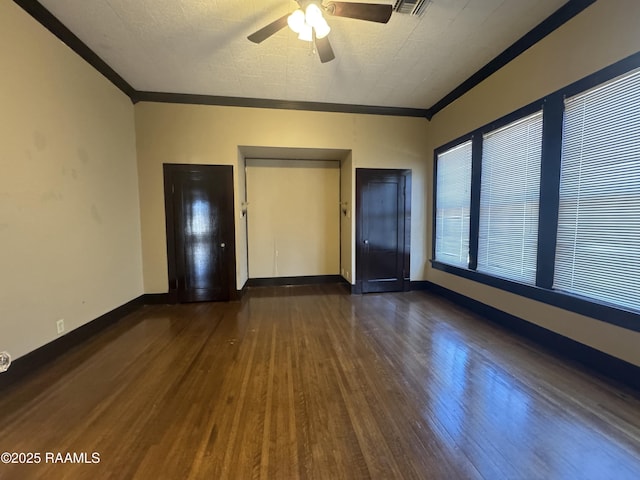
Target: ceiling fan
[{"x": 310, "y": 25}]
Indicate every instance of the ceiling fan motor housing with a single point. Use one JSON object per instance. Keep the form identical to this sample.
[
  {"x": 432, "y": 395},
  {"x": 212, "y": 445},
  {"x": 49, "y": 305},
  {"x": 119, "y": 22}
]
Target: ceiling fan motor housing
[{"x": 372, "y": 12}]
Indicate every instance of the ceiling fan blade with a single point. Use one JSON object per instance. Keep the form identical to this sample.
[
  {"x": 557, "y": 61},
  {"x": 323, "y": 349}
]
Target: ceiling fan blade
[
  {"x": 265, "y": 32},
  {"x": 325, "y": 52},
  {"x": 372, "y": 12}
]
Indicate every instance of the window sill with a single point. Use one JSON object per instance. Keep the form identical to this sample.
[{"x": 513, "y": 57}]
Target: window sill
[{"x": 591, "y": 308}]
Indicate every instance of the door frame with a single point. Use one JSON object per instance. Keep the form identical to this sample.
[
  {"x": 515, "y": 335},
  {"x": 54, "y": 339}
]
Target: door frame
[
  {"x": 406, "y": 220},
  {"x": 168, "y": 169}
]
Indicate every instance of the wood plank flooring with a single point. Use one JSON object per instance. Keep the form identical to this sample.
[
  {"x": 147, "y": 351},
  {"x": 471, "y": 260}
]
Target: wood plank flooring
[{"x": 313, "y": 383}]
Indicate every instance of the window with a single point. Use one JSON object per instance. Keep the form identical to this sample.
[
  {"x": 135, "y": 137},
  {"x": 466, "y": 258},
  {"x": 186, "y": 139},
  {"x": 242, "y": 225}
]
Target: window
[
  {"x": 598, "y": 243},
  {"x": 453, "y": 205},
  {"x": 545, "y": 202},
  {"x": 509, "y": 200}
]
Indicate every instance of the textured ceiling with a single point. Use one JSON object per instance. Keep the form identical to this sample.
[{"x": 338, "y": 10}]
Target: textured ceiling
[{"x": 200, "y": 47}]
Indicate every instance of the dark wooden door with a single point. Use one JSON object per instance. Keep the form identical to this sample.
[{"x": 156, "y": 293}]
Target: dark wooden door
[
  {"x": 383, "y": 218},
  {"x": 200, "y": 232}
]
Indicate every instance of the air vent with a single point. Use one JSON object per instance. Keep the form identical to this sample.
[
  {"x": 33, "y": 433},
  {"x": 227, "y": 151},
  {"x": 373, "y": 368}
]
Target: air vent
[{"x": 411, "y": 7}]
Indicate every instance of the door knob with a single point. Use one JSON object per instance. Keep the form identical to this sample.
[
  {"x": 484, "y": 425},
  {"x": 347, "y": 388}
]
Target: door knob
[
  {"x": 223, "y": 245},
  {"x": 366, "y": 242}
]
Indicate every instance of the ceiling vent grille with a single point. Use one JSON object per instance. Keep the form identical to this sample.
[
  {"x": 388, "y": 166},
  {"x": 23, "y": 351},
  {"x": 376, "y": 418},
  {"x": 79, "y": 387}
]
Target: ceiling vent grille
[{"x": 411, "y": 7}]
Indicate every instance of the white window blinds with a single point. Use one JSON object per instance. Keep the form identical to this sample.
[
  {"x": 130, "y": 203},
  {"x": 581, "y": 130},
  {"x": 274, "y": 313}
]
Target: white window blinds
[
  {"x": 453, "y": 205},
  {"x": 598, "y": 246},
  {"x": 509, "y": 200}
]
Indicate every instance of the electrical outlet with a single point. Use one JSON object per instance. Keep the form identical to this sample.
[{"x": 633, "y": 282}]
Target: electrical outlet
[{"x": 60, "y": 326}]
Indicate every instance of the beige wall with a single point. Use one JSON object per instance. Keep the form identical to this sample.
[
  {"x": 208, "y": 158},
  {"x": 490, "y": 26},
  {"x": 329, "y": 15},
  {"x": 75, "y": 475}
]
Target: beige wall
[
  {"x": 601, "y": 35},
  {"x": 293, "y": 217},
  {"x": 69, "y": 216},
  {"x": 172, "y": 133}
]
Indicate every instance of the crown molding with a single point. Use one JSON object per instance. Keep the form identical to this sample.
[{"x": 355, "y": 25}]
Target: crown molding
[
  {"x": 540, "y": 31},
  {"x": 163, "y": 97},
  {"x": 551, "y": 23},
  {"x": 55, "y": 26}
]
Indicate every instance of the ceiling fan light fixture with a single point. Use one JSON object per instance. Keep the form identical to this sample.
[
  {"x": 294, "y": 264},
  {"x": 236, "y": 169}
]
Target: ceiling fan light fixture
[
  {"x": 322, "y": 28},
  {"x": 296, "y": 21},
  {"x": 306, "y": 33},
  {"x": 309, "y": 24},
  {"x": 313, "y": 15}
]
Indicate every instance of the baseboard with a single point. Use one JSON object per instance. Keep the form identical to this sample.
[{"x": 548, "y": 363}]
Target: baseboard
[
  {"x": 240, "y": 293},
  {"x": 166, "y": 298},
  {"x": 302, "y": 280},
  {"x": 155, "y": 299},
  {"x": 417, "y": 285},
  {"x": 600, "y": 362},
  {"x": 346, "y": 284},
  {"x": 25, "y": 365}
]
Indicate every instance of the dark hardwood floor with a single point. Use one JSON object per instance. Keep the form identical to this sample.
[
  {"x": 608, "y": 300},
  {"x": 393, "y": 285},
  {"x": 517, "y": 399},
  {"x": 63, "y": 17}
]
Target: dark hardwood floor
[{"x": 311, "y": 382}]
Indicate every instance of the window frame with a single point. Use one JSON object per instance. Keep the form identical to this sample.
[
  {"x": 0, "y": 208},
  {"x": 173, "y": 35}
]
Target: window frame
[
  {"x": 552, "y": 106},
  {"x": 437, "y": 152},
  {"x": 483, "y": 159}
]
